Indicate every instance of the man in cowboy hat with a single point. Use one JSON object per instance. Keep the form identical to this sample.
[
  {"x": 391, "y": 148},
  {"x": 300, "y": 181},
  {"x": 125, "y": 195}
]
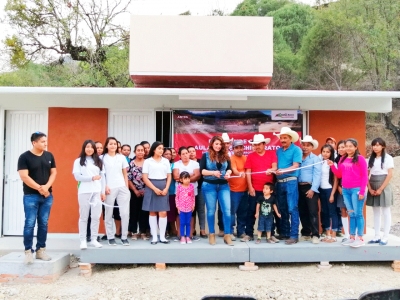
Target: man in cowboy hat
[
  {"x": 289, "y": 159},
  {"x": 258, "y": 161},
  {"x": 309, "y": 182},
  {"x": 238, "y": 187}
]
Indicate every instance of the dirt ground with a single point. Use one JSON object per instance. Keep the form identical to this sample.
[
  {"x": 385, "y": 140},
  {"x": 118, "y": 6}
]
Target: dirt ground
[{"x": 271, "y": 281}]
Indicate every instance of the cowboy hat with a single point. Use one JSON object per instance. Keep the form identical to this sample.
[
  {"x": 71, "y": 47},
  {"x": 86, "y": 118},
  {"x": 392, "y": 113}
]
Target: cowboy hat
[
  {"x": 286, "y": 130},
  {"x": 309, "y": 139},
  {"x": 259, "y": 138},
  {"x": 225, "y": 138}
]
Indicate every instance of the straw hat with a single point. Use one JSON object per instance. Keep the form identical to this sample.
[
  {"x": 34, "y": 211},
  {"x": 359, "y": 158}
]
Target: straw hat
[
  {"x": 286, "y": 130},
  {"x": 226, "y": 138},
  {"x": 309, "y": 139},
  {"x": 259, "y": 138}
]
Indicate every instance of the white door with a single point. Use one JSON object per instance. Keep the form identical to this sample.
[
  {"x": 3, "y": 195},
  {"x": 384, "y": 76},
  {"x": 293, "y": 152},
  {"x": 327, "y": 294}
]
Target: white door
[
  {"x": 132, "y": 126},
  {"x": 19, "y": 127}
]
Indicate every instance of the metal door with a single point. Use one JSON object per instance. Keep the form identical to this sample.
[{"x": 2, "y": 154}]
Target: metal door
[{"x": 19, "y": 127}]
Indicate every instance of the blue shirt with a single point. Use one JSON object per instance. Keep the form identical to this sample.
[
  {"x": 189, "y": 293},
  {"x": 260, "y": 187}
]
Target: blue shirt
[
  {"x": 311, "y": 174},
  {"x": 286, "y": 158}
]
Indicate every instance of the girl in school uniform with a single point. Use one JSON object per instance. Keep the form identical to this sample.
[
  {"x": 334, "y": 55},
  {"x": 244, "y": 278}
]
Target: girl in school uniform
[
  {"x": 157, "y": 177},
  {"x": 380, "y": 193},
  {"x": 88, "y": 171},
  {"x": 352, "y": 168},
  {"x": 115, "y": 165}
]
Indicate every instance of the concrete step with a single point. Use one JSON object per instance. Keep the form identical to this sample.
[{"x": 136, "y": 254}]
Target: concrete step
[{"x": 13, "y": 269}]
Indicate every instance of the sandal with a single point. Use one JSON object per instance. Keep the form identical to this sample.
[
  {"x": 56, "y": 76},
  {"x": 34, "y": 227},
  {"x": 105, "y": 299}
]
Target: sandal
[
  {"x": 331, "y": 240},
  {"x": 326, "y": 239},
  {"x": 134, "y": 236},
  {"x": 144, "y": 237},
  {"x": 258, "y": 241}
]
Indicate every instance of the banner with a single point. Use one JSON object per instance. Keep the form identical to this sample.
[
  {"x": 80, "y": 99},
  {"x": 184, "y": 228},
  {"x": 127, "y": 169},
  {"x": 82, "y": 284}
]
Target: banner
[{"x": 196, "y": 128}]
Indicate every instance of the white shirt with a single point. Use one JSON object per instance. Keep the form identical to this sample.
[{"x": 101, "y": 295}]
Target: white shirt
[
  {"x": 113, "y": 166},
  {"x": 325, "y": 177},
  {"x": 190, "y": 167},
  {"x": 85, "y": 173},
  {"x": 156, "y": 169},
  {"x": 377, "y": 168}
]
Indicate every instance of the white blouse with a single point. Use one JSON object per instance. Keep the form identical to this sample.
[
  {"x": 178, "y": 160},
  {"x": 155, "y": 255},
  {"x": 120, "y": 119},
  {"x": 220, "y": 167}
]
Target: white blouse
[
  {"x": 156, "y": 169},
  {"x": 377, "y": 168}
]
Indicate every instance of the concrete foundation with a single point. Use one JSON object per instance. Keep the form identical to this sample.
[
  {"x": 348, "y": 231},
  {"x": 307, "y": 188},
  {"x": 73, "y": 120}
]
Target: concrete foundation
[{"x": 13, "y": 269}]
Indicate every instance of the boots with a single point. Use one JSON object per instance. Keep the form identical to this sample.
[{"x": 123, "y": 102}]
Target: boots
[
  {"x": 28, "y": 257},
  {"x": 41, "y": 254},
  {"x": 211, "y": 239},
  {"x": 228, "y": 240}
]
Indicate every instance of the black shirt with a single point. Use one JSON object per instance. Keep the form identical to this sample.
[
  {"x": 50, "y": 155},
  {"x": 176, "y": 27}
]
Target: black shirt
[
  {"x": 266, "y": 205},
  {"x": 38, "y": 168}
]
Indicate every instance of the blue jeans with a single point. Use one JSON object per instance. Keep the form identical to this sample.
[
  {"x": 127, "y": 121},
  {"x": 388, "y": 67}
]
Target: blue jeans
[
  {"x": 330, "y": 208},
  {"x": 355, "y": 210},
  {"x": 211, "y": 193},
  {"x": 239, "y": 206},
  {"x": 288, "y": 197},
  {"x": 184, "y": 219},
  {"x": 36, "y": 207}
]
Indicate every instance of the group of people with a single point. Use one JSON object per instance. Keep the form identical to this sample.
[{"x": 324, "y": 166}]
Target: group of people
[{"x": 154, "y": 195}]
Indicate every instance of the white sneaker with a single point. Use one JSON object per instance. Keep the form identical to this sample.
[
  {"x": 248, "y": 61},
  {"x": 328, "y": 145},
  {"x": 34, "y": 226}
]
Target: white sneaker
[
  {"x": 83, "y": 245},
  {"x": 357, "y": 243},
  {"x": 233, "y": 238},
  {"x": 96, "y": 244},
  {"x": 315, "y": 240},
  {"x": 348, "y": 242}
]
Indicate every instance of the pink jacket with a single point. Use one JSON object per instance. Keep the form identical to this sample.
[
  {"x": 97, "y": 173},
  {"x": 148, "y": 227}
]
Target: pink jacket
[{"x": 354, "y": 175}]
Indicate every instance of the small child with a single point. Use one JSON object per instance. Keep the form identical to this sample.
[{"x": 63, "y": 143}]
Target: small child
[
  {"x": 185, "y": 204},
  {"x": 265, "y": 204}
]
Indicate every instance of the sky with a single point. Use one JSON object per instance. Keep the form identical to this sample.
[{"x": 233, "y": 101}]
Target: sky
[{"x": 146, "y": 7}]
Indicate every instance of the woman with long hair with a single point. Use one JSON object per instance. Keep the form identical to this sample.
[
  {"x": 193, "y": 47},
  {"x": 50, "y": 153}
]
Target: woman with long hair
[
  {"x": 341, "y": 151},
  {"x": 352, "y": 168},
  {"x": 88, "y": 171},
  {"x": 327, "y": 191},
  {"x": 215, "y": 167},
  {"x": 172, "y": 228},
  {"x": 115, "y": 165},
  {"x": 136, "y": 186},
  {"x": 380, "y": 193},
  {"x": 157, "y": 177}
]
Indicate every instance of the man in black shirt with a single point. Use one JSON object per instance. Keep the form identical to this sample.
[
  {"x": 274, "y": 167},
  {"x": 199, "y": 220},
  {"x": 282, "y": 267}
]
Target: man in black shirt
[{"x": 37, "y": 170}]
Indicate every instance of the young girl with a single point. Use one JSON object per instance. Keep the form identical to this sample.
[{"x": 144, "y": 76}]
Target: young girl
[
  {"x": 157, "y": 177},
  {"x": 352, "y": 168},
  {"x": 380, "y": 194},
  {"x": 88, "y": 171},
  {"x": 341, "y": 150},
  {"x": 327, "y": 191},
  {"x": 185, "y": 201},
  {"x": 115, "y": 165}
]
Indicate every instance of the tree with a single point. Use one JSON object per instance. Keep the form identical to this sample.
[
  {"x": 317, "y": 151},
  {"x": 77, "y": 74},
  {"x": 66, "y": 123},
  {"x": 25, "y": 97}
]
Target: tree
[
  {"x": 82, "y": 29},
  {"x": 291, "y": 23}
]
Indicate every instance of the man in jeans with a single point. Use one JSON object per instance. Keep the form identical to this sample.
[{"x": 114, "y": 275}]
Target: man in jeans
[
  {"x": 309, "y": 182},
  {"x": 238, "y": 187},
  {"x": 289, "y": 158},
  {"x": 262, "y": 164},
  {"x": 37, "y": 170}
]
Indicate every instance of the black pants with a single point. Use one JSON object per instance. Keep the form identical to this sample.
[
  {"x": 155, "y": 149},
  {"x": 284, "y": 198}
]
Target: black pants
[
  {"x": 137, "y": 215},
  {"x": 308, "y": 211}
]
